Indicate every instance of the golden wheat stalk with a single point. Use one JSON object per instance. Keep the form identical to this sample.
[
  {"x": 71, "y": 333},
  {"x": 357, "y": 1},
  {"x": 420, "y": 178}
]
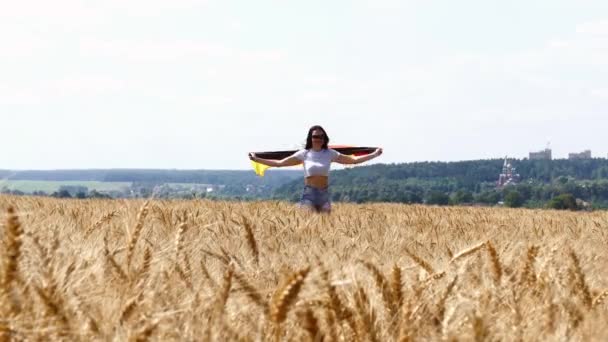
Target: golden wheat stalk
[
  {"x": 467, "y": 252},
  {"x": 383, "y": 285},
  {"x": 286, "y": 294},
  {"x": 207, "y": 275},
  {"x": 251, "y": 242},
  {"x": 528, "y": 275},
  {"x": 423, "y": 263},
  {"x": 139, "y": 226},
  {"x": 13, "y": 235},
  {"x": 551, "y": 321},
  {"x": 224, "y": 292},
  {"x": 600, "y": 298},
  {"x": 54, "y": 305},
  {"x": 146, "y": 264},
  {"x": 340, "y": 310},
  {"x": 397, "y": 286},
  {"x": 179, "y": 239},
  {"x": 495, "y": 261},
  {"x": 103, "y": 220},
  {"x": 129, "y": 309},
  {"x": 441, "y": 305},
  {"x": 185, "y": 277},
  {"x": 114, "y": 264},
  {"x": 367, "y": 315},
  {"x": 581, "y": 283},
  {"x": 144, "y": 334},
  {"x": 12, "y": 249},
  {"x": 310, "y": 324},
  {"x": 252, "y": 293}
]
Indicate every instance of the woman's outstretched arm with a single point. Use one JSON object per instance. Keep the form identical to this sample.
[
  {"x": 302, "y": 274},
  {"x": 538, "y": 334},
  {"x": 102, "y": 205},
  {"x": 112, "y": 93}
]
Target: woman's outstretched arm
[
  {"x": 344, "y": 159},
  {"x": 289, "y": 161}
]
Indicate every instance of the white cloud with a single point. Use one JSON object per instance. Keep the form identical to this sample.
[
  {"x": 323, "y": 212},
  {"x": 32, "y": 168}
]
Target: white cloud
[
  {"x": 261, "y": 56},
  {"x": 76, "y": 87},
  {"x": 153, "y": 51},
  {"x": 600, "y": 92},
  {"x": 18, "y": 45},
  {"x": 596, "y": 28},
  {"x": 212, "y": 100},
  {"x": 48, "y": 10},
  {"x": 321, "y": 80},
  {"x": 175, "y": 50},
  {"x": 83, "y": 11}
]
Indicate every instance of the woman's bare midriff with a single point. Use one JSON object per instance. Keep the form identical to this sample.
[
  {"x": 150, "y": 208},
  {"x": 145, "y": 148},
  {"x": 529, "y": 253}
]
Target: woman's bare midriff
[{"x": 319, "y": 182}]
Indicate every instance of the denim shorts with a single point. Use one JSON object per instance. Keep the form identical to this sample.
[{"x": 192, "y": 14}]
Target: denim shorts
[{"x": 315, "y": 198}]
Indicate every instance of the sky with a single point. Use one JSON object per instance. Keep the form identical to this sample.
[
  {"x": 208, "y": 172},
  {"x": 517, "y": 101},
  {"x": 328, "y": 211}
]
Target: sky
[{"x": 197, "y": 84}]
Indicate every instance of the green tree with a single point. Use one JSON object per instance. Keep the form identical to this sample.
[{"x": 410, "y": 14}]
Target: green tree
[
  {"x": 563, "y": 202},
  {"x": 462, "y": 196},
  {"x": 96, "y": 194},
  {"x": 411, "y": 197},
  {"x": 513, "y": 199},
  {"x": 437, "y": 197},
  {"x": 62, "y": 194},
  {"x": 489, "y": 197}
]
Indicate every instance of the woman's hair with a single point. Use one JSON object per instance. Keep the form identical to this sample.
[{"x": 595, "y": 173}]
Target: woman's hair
[{"x": 309, "y": 137}]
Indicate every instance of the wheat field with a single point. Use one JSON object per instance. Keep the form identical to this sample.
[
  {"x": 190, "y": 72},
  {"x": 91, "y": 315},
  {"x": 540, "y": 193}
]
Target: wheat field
[{"x": 118, "y": 270}]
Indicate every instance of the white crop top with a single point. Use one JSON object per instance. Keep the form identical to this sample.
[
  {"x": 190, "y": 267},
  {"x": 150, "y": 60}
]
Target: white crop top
[{"x": 317, "y": 163}]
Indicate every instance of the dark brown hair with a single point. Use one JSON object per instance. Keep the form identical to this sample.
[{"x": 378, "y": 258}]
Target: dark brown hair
[{"x": 309, "y": 137}]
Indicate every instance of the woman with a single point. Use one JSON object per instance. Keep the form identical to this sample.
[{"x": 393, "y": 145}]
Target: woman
[{"x": 316, "y": 157}]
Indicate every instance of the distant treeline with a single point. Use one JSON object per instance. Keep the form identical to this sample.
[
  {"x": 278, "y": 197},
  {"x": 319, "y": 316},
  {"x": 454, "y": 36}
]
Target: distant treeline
[
  {"x": 467, "y": 182},
  {"x": 465, "y": 173},
  {"x": 470, "y": 173},
  {"x": 232, "y": 177},
  {"x": 542, "y": 181}
]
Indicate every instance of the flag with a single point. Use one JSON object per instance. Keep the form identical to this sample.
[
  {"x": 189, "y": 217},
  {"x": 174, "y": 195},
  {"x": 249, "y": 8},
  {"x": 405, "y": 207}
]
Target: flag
[
  {"x": 278, "y": 155},
  {"x": 259, "y": 168}
]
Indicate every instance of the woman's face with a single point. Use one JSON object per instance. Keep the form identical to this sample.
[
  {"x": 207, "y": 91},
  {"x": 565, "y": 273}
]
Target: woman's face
[{"x": 318, "y": 138}]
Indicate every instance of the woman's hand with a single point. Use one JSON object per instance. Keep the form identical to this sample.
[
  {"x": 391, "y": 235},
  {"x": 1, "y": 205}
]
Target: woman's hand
[
  {"x": 378, "y": 152},
  {"x": 252, "y": 156}
]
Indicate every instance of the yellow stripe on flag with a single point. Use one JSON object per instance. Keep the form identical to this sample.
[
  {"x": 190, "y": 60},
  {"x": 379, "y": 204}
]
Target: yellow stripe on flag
[{"x": 259, "y": 168}]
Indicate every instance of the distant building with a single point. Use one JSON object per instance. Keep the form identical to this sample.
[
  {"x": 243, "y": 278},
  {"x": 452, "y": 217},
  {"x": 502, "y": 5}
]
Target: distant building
[
  {"x": 508, "y": 175},
  {"x": 541, "y": 155},
  {"x": 582, "y": 155}
]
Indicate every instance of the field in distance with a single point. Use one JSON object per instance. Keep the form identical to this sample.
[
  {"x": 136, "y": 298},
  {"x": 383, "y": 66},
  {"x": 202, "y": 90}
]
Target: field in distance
[
  {"x": 29, "y": 186},
  {"x": 214, "y": 270}
]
